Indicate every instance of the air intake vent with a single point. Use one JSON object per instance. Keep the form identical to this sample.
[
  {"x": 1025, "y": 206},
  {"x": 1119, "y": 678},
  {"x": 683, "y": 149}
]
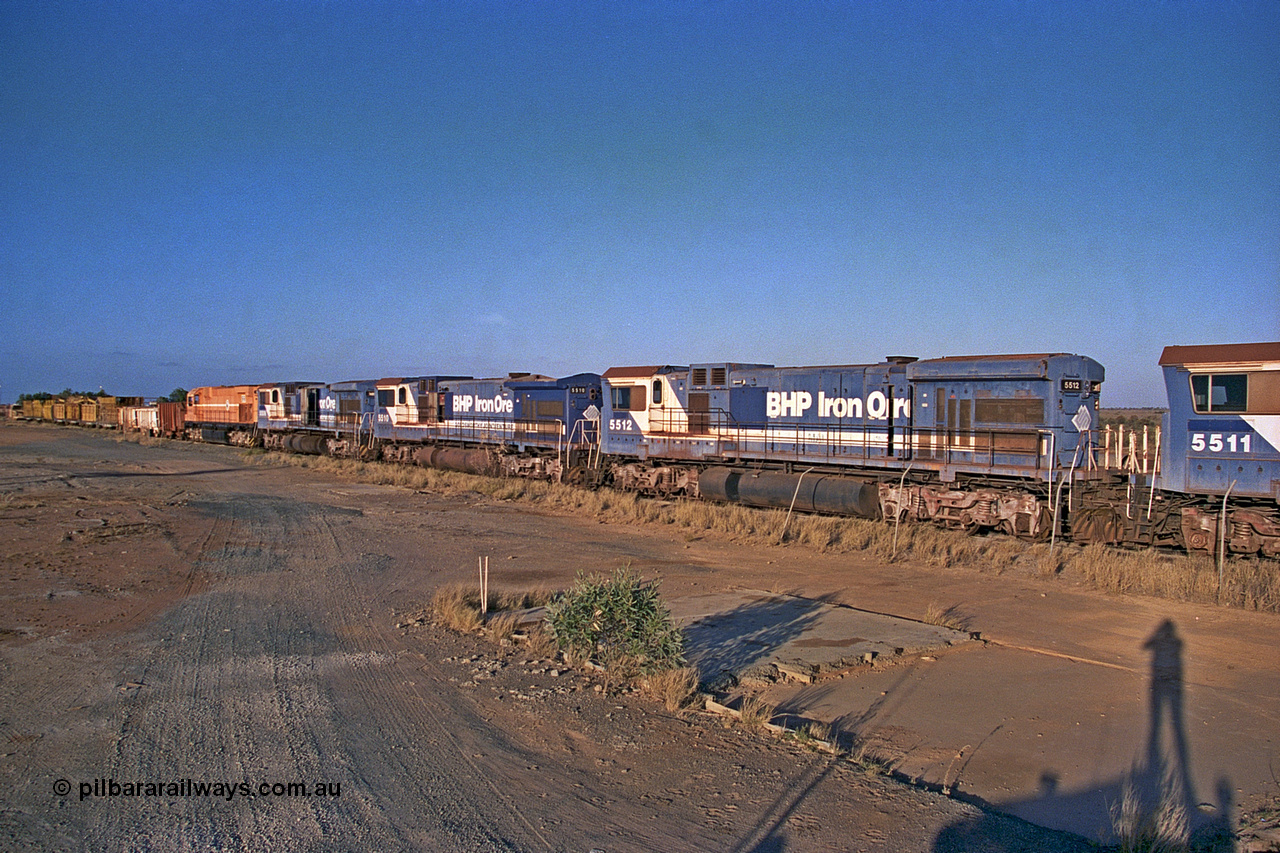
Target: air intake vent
[
  {"x": 699, "y": 376},
  {"x": 718, "y": 375}
]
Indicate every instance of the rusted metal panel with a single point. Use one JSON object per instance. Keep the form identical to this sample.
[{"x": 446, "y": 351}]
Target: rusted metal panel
[{"x": 170, "y": 417}]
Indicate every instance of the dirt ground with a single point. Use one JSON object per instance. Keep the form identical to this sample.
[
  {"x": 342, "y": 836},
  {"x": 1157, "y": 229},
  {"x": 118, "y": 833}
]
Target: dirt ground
[{"x": 185, "y": 635}]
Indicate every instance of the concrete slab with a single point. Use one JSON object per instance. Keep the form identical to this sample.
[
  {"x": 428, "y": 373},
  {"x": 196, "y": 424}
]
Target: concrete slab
[
  {"x": 1170, "y": 704},
  {"x": 739, "y": 630}
]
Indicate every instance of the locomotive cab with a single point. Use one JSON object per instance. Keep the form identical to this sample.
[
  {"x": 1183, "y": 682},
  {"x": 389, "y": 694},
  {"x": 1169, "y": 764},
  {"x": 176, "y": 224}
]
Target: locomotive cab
[
  {"x": 289, "y": 405},
  {"x": 1223, "y": 425},
  {"x": 629, "y": 413}
]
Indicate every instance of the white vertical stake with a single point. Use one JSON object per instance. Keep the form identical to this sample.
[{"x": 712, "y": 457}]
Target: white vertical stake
[{"x": 1222, "y": 539}]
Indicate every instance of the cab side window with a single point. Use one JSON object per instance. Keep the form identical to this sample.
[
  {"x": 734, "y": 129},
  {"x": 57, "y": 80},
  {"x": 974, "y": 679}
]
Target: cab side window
[{"x": 1220, "y": 392}]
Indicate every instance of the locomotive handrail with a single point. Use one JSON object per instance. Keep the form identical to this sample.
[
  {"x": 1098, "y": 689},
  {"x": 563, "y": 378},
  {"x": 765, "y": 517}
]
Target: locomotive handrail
[
  {"x": 518, "y": 431},
  {"x": 1010, "y": 449}
]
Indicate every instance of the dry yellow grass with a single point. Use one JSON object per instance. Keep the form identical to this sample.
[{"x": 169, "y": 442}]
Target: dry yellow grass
[
  {"x": 755, "y": 713},
  {"x": 502, "y": 624},
  {"x": 457, "y": 607},
  {"x": 674, "y": 688},
  {"x": 1249, "y": 584},
  {"x": 816, "y": 734},
  {"x": 863, "y": 757},
  {"x": 945, "y": 617},
  {"x": 540, "y": 643}
]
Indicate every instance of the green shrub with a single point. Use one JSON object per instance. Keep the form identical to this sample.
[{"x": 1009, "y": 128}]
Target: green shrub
[{"x": 619, "y": 621}]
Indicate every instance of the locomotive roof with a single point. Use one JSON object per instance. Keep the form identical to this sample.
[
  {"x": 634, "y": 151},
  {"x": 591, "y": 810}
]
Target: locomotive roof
[
  {"x": 400, "y": 380},
  {"x": 636, "y": 372},
  {"x": 1030, "y": 356},
  {"x": 1021, "y": 366},
  {"x": 227, "y": 387},
  {"x": 1210, "y": 354}
]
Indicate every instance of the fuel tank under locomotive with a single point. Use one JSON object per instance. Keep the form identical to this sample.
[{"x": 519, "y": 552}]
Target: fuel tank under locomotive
[
  {"x": 476, "y": 461},
  {"x": 305, "y": 443},
  {"x": 811, "y": 492}
]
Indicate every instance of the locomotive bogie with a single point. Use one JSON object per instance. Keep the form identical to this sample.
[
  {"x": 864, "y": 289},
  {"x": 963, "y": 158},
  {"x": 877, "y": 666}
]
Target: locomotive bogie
[
  {"x": 655, "y": 480},
  {"x": 1018, "y": 513},
  {"x": 1248, "y": 531}
]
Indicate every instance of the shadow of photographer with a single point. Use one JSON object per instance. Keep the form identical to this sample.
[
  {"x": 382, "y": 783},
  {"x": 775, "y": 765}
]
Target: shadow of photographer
[{"x": 1153, "y": 806}]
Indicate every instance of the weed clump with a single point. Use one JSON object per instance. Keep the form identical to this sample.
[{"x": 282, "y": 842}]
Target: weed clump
[
  {"x": 457, "y": 606},
  {"x": 755, "y": 713},
  {"x": 675, "y": 688},
  {"x": 945, "y": 617},
  {"x": 618, "y": 621}
]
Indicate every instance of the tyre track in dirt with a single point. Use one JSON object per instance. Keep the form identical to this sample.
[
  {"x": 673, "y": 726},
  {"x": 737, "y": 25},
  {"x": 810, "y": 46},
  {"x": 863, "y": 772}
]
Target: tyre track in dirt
[
  {"x": 253, "y": 680},
  {"x": 494, "y": 766}
]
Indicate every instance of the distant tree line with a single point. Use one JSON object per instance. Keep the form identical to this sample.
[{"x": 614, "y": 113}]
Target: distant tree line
[
  {"x": 177, "y": 395},
  {"x": 64, "y": 394},
  {"x": 1131, "y": 418}
]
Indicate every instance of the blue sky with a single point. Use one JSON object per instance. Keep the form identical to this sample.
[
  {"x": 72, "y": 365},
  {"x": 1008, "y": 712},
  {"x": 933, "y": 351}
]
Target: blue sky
[{"x": 224, "y": 192}]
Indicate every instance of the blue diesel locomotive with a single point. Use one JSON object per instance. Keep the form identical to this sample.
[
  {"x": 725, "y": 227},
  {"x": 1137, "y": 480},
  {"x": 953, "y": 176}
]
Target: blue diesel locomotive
[{"x": 973, "y": 443}]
